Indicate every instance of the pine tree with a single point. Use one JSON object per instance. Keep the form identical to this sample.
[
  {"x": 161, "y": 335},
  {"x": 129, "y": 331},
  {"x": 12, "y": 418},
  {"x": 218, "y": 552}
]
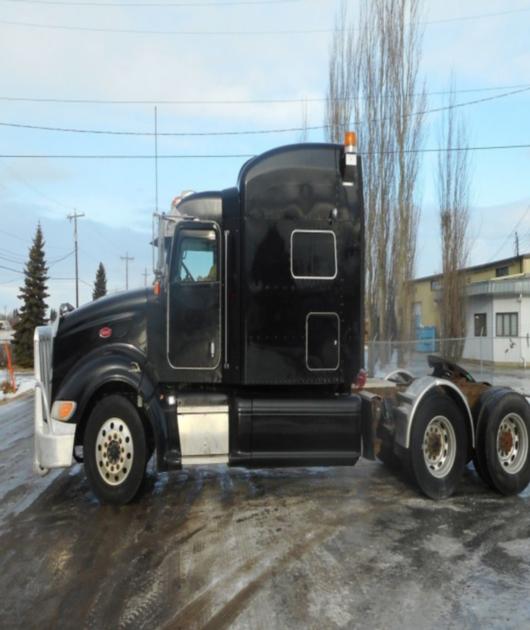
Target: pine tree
[
  {"x": 100, "y": 284},
  {"x": 33, "y": 310}
]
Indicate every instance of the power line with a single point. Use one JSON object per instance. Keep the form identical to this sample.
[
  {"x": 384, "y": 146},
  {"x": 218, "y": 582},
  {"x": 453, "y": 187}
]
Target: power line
[
  {"x": 258, "y": 101},
  {"x": 207, "y": 156},
  {"x": 477, "y": 16},
  {"x": 139, "y": 31},
  {"x": 248, "y": 132},
  {"x": 10, "y": 252},
  {"x": 11, "y": 260},
  {"x": 12, "y": 235},
  {"x": 58, "y": 260},
  {"x": 315, "y": 31},
  {"x": 72, "y": 280},
  {"x": 189, "y": 5},
  {"x": 72, "y": 156},
  {"x": 523, "y": 217},
  {"x": 11, "y": 269},
  {"x": 19, "y": 261},
  {"x": 35, "y": 190},
  {"x": 6, "y": 282}
]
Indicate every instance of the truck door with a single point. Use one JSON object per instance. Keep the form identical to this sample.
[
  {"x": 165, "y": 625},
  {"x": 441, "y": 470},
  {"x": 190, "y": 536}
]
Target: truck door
[{"x": 193, "y": 304}]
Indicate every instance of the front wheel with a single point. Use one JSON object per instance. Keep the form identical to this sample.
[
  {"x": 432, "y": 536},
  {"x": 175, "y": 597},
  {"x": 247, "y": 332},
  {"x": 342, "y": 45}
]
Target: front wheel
[
  {"x": 438, "y": 446},
  {"x": 115, "y": 450}
]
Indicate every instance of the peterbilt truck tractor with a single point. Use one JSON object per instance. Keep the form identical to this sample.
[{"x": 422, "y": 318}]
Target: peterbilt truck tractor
[{"x": 248, "y": 351}]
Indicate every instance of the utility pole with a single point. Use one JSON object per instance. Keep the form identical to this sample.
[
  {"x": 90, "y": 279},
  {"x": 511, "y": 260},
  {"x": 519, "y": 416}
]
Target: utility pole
[
  {"x": 517, "y": 243},
  {"x": 145, "y": 274},
  {"x": 126, "y": 258},
  {"x": 73, "y": 217}
]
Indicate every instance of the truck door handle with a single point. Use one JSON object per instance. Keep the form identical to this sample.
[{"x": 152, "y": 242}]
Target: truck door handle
[{"x": 212, "y": 349}]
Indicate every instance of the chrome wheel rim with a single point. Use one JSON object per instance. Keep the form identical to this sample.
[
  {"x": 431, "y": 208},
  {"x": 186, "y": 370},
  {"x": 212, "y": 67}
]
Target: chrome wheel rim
[
  {"x": 439, "y": 447},
  {"x": 512, "y": 443},
  {"x": 114, "y": 451}
]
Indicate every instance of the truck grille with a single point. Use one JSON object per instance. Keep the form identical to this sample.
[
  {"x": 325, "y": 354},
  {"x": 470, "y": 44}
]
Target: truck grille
[{"x": 43, "y": 353}]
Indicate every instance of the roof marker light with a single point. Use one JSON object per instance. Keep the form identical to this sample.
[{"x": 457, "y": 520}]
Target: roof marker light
[
  {"x": 350, "y": 148},
  {"x": 350, "y": 140}
]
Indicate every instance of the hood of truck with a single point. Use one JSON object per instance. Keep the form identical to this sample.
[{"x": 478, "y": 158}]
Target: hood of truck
[
  {"x": 98, "y": 327},
  {"x": 110, "y": 310}
]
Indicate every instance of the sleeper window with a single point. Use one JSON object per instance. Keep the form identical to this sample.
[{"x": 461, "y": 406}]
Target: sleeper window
[{"x": 313, "y": 254}]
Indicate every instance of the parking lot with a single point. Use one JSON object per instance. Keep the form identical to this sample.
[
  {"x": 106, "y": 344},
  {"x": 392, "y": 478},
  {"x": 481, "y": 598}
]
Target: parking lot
[{"x": 287, "y": 548}]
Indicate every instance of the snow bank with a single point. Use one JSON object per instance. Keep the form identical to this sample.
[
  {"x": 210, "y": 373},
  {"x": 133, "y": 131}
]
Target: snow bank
[{"x": 25, "y": 382}]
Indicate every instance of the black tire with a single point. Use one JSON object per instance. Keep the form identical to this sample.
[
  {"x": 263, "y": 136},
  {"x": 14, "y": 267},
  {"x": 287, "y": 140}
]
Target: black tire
[
  {"x": 438, "y": 471},
  {"x": 508, "y": 470},
  {"x": 487, "y": 401},
  {"x": 126, "y": 447}
]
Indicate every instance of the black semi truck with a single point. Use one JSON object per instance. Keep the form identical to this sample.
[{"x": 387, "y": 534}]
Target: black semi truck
[{"x": 247, "y": 351}]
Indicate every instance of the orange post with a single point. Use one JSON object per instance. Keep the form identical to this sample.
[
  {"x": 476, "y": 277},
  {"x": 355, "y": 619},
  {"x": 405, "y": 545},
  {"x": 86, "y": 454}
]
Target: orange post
[{"x": 10, "y": 369}]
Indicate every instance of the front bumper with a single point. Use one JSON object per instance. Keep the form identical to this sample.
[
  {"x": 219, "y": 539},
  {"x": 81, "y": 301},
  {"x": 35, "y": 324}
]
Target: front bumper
[{"x": 53, "y": 440}]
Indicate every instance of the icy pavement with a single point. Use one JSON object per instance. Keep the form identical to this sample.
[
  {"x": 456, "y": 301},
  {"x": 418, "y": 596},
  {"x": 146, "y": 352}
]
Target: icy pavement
[{"x": 213, "y": 547}]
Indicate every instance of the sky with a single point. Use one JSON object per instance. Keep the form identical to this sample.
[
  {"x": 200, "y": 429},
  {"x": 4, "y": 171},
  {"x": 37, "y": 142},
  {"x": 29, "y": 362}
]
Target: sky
[{"x": 483, "y": 43}]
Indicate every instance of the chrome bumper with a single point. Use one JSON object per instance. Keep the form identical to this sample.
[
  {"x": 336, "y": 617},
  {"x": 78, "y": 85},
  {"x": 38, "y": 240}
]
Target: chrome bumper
[{"x": 53, "y": 441}]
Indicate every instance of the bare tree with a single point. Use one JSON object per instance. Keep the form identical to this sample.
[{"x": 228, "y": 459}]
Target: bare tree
[
  {"x": 374, "y": 75},
  {"x": 453, "y": 185},
  {"x": 409, "y": 100},
  {"x": 341, "y": 87}
]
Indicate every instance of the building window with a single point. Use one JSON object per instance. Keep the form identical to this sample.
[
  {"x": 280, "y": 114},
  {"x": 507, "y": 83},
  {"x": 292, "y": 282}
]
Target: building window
[
  {"x": 481, "y": 329},
  {"x": 436, "y": 285},
  {"x": 507, "y": 324},
  {"x": 502, "y": 271},
  {"x": 313, "y": 254}
]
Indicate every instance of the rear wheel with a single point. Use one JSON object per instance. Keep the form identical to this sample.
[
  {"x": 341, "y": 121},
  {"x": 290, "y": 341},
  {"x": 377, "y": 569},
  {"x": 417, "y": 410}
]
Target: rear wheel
[
  {"x": 503, "y": 444},
  {"x": 438, "y": 446},
  {"x": 115, "y": 450}
]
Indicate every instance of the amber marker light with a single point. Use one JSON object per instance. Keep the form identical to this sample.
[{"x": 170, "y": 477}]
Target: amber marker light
[
  {"x": 350, "y": 139},
  {"x": 156, "y": 287},
  {"x": 63, "y": 410}
]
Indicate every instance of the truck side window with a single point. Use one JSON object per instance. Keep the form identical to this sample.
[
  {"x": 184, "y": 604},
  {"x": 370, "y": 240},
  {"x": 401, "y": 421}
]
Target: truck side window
[
  {"x": 197, "y": 258},
  {"x": 313, "y": 254}
]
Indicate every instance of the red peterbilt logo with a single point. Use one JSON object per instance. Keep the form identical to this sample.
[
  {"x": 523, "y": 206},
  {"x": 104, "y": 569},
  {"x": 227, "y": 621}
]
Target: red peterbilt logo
[{"x": 105, "y": 332}]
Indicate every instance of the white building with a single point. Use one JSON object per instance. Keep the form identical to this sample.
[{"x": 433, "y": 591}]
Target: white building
[{"x": 498, "y": 320}]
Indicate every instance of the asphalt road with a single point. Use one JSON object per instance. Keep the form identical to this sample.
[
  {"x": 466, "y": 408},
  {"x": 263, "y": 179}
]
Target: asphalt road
[{"x": 217, "y": 548}]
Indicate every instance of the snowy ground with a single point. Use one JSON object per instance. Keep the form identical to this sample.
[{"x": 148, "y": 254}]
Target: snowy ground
[{"x": 25, "y": 382}]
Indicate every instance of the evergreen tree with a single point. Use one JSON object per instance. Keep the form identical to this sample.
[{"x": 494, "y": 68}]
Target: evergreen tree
[
  {"x": 100, "y": 284},
  {"x": 33, "y": 310},
  {"x": 53, "y": 315}
]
